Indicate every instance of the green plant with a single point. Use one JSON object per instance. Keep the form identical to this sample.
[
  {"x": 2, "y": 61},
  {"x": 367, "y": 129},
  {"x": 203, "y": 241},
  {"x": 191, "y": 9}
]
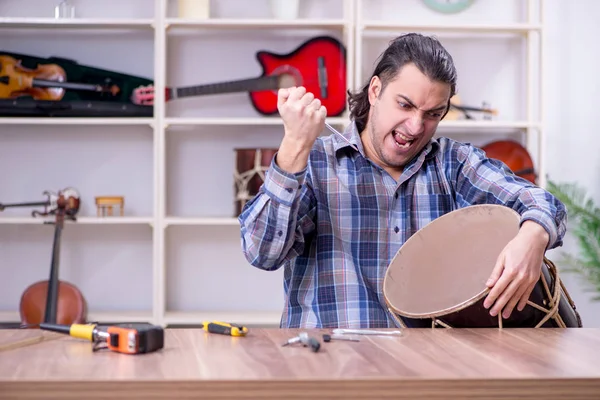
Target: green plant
[{"x": 584, "y": 225}]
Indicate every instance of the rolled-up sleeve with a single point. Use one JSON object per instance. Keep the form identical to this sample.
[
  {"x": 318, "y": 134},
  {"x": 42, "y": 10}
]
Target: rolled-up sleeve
[{"x": 483, "y": 180}]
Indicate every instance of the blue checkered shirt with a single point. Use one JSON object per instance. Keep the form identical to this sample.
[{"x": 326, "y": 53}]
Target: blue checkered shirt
[{"x": 335, "y": 226}]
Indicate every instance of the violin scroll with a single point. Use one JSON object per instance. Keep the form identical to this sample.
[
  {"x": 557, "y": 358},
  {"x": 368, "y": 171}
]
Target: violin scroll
[{"x": 67, "y": 200}]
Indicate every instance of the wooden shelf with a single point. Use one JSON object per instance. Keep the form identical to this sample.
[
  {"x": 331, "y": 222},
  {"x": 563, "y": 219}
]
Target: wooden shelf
[
  {"x": 194, "y": 221},
  {"x": 79, "y": 23},
  {"x": 171, "y": 317},
  {"x": 93, "y": 316},
  {"x": 76, "y": 121},
  {"x": 80, "y": 220},
  {"x": 370, "y": 27},
  {"x": 226, "y": 23},
  {"x": 238, "y": 121},
  {"x": 258, "y": 121},
  {"x": 470, "y": 125}
]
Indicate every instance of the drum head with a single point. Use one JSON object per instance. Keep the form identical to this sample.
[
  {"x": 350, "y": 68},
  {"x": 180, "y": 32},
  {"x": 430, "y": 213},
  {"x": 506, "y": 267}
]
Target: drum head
[{"x": 444, "y": 266}]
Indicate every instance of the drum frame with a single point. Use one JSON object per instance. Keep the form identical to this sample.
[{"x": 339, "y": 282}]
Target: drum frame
[
  {"x": 242, "y": 179},
  {"x": 551, "y": 300}
]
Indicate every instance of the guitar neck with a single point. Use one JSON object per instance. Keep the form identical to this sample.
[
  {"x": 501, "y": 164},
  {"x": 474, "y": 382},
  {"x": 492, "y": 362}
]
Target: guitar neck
[{"x": 244, "y": 85}]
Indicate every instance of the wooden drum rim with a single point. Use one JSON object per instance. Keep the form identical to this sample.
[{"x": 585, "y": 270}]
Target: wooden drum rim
[{"x": 504, "y": 211}]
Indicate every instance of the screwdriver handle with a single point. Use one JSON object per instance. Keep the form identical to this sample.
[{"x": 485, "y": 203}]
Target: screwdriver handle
[
  {"x": 328, "y": 338},
  {"x": 224, "y": 328},
  {"x": 217, "y": 328}
]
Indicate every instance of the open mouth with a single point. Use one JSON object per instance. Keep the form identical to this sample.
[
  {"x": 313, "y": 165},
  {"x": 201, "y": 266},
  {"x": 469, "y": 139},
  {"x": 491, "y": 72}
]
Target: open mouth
[{"x": 402, "y": 141}]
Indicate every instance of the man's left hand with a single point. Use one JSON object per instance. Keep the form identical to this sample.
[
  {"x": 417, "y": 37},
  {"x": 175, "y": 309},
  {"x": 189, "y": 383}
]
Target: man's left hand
[{"x": 517, "y": 270}]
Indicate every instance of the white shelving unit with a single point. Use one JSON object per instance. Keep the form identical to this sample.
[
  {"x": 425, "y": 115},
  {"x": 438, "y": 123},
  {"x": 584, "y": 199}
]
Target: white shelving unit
[
  {"x": 186, "y": 266},
  {"x": 493, "y": 24}
]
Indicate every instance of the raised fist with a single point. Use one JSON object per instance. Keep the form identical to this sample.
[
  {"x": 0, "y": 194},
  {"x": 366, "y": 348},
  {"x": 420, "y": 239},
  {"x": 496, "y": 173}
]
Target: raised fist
[{"x": 303, "y": 115}]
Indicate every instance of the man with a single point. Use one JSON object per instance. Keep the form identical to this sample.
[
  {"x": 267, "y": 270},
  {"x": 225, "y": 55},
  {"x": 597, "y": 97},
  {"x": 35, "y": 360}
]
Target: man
[{"x": 334, "y": 217}]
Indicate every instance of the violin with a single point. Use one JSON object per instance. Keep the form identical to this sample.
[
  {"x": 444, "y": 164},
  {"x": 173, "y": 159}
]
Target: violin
[
  {"x": 53, "y": 301},
  {"x": 459, "y": 111},
  {"x": 515, "y": 156},
  {"x": 46, "y": 82}
]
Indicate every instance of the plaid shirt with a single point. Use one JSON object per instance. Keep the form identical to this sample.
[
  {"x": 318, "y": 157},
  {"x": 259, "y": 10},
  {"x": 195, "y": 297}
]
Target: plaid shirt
[{"x": 336, "y": 226}]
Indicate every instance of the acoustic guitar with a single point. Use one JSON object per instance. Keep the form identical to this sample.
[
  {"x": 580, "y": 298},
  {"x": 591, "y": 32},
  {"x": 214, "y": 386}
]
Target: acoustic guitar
[{"x": 319, "y": 64}]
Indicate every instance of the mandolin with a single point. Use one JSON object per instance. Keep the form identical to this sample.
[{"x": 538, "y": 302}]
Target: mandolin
[{"x": 319, "y": 64}]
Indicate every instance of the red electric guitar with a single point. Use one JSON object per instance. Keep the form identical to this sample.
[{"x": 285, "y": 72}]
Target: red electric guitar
[{"x": 319, "y": 64}]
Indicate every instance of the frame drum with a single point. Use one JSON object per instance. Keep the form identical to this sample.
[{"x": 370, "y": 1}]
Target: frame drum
[
  {"x": 438, "y": 277},
  {"x": 249, "y": 175}
]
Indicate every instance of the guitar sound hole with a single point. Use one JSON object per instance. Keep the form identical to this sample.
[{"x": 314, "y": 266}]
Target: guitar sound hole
[{"x": 287, "y": 80}]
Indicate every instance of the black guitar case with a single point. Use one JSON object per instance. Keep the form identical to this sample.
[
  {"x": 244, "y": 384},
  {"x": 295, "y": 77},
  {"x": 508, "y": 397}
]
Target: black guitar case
[{"x": 79, "y": 103}]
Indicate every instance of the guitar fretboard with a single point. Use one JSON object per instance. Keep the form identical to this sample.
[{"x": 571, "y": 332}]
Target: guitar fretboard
[{"x": 244, "y": 85}]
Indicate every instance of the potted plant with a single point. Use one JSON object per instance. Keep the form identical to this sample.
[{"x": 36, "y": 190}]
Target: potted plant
[{"x": 584, "y": 225}]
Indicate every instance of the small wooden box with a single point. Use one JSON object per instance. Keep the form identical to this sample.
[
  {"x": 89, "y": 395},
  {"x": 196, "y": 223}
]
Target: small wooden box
[{"x": 105, "y": 204}]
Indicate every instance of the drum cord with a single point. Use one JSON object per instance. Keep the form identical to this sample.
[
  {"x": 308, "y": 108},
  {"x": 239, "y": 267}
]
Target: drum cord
[
  {"x": 243, "y": 179},
  {"x": 553, "y": 300}
]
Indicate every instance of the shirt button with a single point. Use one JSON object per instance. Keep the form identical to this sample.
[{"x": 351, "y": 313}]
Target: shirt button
[
  {"x": 280, "y": 233},
  {"x": 396, "y": 195},
  {"x": 396, "y": 229},
  {"x": 289, "y": 190}
]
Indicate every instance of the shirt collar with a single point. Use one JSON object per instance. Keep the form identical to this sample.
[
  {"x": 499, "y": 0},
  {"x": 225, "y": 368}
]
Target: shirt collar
[
  {"x": 431, "y": 149},
  {"x": 350, "y": 133}
]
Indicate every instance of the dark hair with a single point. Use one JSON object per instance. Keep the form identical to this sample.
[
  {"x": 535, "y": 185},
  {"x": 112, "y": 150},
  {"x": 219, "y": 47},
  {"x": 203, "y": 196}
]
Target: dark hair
[{"x": 425, "y": 52}]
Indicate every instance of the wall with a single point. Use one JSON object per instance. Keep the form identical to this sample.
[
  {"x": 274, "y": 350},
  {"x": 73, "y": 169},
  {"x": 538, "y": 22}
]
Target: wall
[{"x": 571, "y": 91}]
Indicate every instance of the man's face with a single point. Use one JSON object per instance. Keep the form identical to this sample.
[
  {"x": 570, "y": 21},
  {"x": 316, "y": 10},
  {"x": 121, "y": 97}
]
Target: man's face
[{"x": 404, "y": 117}]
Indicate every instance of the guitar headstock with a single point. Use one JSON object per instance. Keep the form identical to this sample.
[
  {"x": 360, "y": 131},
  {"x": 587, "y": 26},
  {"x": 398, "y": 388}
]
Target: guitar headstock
[{"x": 143, "y": 95}]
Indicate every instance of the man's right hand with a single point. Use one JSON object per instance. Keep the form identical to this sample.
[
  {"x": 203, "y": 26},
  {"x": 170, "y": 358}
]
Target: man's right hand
[{"x": 303, "y": 120}]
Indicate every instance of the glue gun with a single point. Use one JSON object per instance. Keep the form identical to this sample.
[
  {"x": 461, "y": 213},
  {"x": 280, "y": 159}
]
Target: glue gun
[{"x": 306, "y": 341}]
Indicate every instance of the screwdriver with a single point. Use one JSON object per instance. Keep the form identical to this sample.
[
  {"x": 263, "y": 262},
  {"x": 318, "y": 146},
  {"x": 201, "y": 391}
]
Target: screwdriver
[
  {"x": 328, "y": 338},
  {"x": 224, "y": 328},
  {"x": 332, "y": 129}
]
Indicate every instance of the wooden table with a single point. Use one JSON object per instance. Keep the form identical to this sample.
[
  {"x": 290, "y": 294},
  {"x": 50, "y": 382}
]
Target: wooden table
[{"x": 423, "y": 363}]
